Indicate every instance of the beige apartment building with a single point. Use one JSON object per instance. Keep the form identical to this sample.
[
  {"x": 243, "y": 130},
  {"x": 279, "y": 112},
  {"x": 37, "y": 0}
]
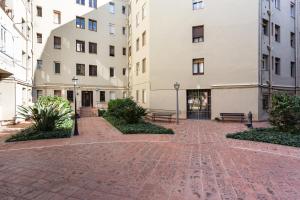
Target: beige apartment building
[
  {"x": 15, "y": 58},
  {"x": 86, "y": 39},
  {"x": 228, "y": 56}
]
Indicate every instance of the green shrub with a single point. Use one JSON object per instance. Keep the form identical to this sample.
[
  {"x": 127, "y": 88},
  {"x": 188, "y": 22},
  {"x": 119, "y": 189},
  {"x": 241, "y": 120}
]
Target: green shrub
[
  {"x": 101, "y": 112},
  {"x": 48, "y": 114},
  {"x": 285, "y": 112},
  {"x": 138, "y": 128},
  {"x": 125, "y": 109}
]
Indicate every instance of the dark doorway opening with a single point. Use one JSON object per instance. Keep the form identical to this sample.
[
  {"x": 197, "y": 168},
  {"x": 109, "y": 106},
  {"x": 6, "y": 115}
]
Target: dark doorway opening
[
  {"x": 87, "y": 98},
  {"x": 199, "y": 104}
]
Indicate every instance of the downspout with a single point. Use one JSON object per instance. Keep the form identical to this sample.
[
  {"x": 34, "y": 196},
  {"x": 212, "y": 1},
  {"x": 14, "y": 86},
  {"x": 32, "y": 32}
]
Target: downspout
[
  {"x": 297, "y": 44},
  {"x": 270, "y": 84},
  {"x": 260, "y": 44}
]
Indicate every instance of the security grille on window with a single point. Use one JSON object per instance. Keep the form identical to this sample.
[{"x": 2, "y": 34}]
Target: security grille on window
[
  {"x": 93, "y": 48},
  {"x": 39, "y": 38},
  {"x": 198, "y": 66},
  {"x": 80, "y": 22},
  {"x": 92, "y": 25},
  {"x": 56, "y": 67},
  {"x": 80, "y": 69},
  {"x": 112, "y": 51},
  {"x": 102, "y": 96},
  {"x": 57, "y": 42},
  {"x": 93, "y": 70},
  {"x": 80, "y": 46},
  {"x": 70, "y": 95},
  {"x": 198, "y": 4},
  {"x": 198, "y": 34}
]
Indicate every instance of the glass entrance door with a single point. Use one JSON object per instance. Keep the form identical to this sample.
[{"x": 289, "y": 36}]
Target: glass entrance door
[
  {"x": 87, "y": 99},
  {"x": 199, "y": 104}
]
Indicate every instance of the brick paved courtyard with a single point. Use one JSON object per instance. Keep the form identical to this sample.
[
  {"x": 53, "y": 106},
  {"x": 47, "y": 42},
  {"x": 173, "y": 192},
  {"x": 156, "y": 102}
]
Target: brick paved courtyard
[{"x": 196, "y": 163}]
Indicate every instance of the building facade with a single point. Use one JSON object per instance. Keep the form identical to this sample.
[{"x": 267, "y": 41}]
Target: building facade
[
  {"x": 15, "y": 57},
  {"x": 228, "y": 56},
  {"x": 83, "y": 39}
]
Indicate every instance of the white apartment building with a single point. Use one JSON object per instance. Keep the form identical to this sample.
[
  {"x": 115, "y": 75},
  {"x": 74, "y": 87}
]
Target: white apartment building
[
  {"x": 15, "y": 57},
  {"x": 82, "y": 38},
  {"x": 228, "y": 56}
]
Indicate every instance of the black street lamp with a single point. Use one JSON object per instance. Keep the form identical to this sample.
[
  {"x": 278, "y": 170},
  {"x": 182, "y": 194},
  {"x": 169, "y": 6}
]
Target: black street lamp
[
  {"x": 176, "y": 87},
  {"x": 75, "y": 81}
]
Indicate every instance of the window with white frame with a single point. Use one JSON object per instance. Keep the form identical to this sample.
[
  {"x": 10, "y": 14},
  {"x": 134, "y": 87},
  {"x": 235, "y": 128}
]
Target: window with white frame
[
  {"x": 293, "y": 10},
  {"x": 93, "y": 3},
  {"x": 112, "y": 29},
  {"x": 277, "y": 4},
  {"x": 198, "y": 66},
  {"x": 56, "y": 17}
]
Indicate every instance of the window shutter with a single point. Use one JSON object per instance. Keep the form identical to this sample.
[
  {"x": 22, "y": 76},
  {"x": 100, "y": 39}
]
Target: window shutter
[{"x": 198, "y": 31}]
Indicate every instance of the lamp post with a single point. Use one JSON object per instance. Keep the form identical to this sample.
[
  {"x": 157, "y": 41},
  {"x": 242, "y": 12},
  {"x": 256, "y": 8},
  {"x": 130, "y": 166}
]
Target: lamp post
[
  {"x": 176, "y": 87},
  {"x": 75, "y": 81}
]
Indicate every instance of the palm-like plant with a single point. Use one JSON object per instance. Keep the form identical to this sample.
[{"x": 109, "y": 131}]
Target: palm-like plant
[{"x": 46, "y": 117}]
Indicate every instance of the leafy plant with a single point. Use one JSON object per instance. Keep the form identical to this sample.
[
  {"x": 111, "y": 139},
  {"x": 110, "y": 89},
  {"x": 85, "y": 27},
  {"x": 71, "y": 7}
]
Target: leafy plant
[
  {"x": 101, "y": 112},
  {"x": 285, "y": 112},
  {"x": 126, "y": 109},
  {"x": 47, "y": 114}
]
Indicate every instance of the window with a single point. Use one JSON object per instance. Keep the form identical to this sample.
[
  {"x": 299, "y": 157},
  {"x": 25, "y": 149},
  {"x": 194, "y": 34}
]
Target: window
[
  {"x": 144, "y": 11},
  {"x": 124, "y": 94},
  {"x": 39, "y": 93},
  {"x": 293, "y": 10},
  {"x": 39, "y": 64},
  {"x": 198, "y": 34},
  {"x": 80, "y": 22},
  {"x": 80, "y": 69},
  {"x": 39, "y": 38},
  {"x": 198, "y": 66},
  {"x": 293, "y": 69},
  {"x": 124, "y": 71},
  {"x": 137, "y": 68},
  {"x": 56, "y": 67},
  {"x": 92, "y": 25},
  {"x": 93, "y": 3},
  {"x": 144, "y": 38},
  {"x": 198, "y": 4},
  {"x": 265, "y": 101},
  {"x": 293, "y": 40},
  {"x": 137, "y": 17},
  {"x": 124, "y": 51},
  {"x": 112, "y": 7},
  {"x": 137, "y": 95},
  {"x": 277, "y": 4},
  {"x": 93, "y": 70},
  {"x": 70, "y": 95},
  {"x": 80, "y": 46},
  {"x": 265, "y": 27},
  {"x": 57, "y": 42},
  {"x": 112, "y": 95},
  {"x": 277, "y": 33},
  {"x": 39, "y": 11},
  {"x": 124, "y": 10},
  {"x": 265, "y": 62},
  {"x": 137, "y": 44},
  {"x": 111, "y": 72},
  {"x": 124, "y": 30},
  {"x": 112, "y": 29},
  {"x": 111, "y": 50},
  {"x": 277, "y": 66},
  {"x": 56, "y": 17},
  {"x": 93, "y": 48},
  {"x": 102, "y": 96},
  {"x": 144, "y": 65},
  {"x": 129, "y": 51},
  {"x": 57, "y": 93},
  {"x": 143, "y": 96},
  {"x": 81, "y": 2}
]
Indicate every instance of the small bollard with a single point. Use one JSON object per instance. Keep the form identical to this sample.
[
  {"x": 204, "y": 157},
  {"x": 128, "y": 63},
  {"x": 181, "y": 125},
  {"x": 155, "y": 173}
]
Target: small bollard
[{"x": 250, "y": 120}]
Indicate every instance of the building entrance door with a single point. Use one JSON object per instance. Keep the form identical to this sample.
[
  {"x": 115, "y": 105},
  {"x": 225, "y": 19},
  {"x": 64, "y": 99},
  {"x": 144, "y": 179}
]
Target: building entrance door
[
  {"x": 87, "y": 98},
  {"x": 199, "y": 104}
]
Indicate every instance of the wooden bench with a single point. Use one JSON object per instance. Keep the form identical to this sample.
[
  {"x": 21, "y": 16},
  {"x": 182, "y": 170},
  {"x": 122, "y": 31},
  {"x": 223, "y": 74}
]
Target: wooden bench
[
  {"x": 233, "y": 116},
  {"x": 161, "y": 115}
]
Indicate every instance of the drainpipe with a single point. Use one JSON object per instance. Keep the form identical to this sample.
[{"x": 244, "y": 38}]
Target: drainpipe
[
  {"x": 297, "y": 44},
  {"x": 270, "y": 84}
]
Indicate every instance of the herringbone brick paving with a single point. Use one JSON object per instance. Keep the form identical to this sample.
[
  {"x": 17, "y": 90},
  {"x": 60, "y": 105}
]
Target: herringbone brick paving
[{"x": 196, "y": 163}]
